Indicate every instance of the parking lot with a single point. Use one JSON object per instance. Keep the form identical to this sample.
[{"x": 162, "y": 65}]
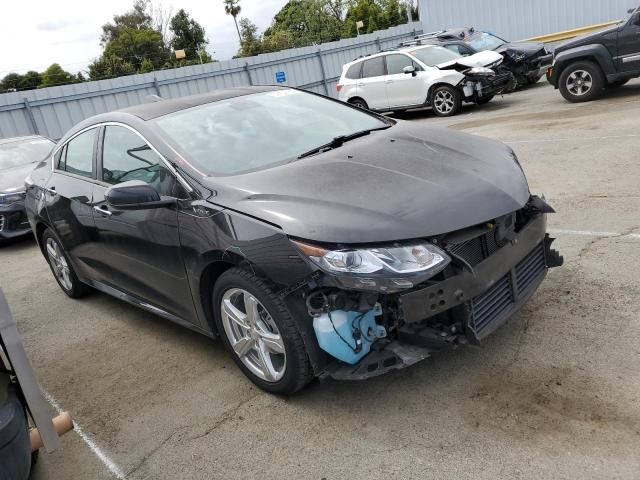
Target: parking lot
[{"x": 553, "y": 394}]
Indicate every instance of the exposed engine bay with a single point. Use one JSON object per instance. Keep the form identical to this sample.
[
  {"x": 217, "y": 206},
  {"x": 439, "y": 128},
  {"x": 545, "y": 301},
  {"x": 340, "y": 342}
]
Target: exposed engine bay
[{"x": 494, "y": 269}]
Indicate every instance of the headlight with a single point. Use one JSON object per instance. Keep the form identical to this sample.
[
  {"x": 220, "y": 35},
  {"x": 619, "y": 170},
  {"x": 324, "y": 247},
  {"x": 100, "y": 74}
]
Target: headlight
[
  {"x": 423, "y": 258},
  {"x": 480, "y": 71},
  {"x": 9, "y": 198}
]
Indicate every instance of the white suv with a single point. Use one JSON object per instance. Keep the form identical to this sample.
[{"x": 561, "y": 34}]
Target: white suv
[{"x": 416, "y": 76}]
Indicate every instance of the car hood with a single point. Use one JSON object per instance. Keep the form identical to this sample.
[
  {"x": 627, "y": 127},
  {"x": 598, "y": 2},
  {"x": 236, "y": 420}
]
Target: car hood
[
  {"x": 516, "y": 50},
  {"x": 13, "y": 178},
  {"x": 586, "y": 39},
  {"x": 405, "y": 182},
  {"x": 480, "y": 59}
]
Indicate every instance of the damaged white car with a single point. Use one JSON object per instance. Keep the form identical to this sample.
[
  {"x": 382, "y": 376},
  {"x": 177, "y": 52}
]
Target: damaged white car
[{"x": 419, "y": 76}]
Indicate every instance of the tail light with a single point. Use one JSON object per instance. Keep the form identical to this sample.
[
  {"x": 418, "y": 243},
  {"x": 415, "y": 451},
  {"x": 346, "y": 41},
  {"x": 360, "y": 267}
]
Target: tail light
[{"x": 339, "y": 87}]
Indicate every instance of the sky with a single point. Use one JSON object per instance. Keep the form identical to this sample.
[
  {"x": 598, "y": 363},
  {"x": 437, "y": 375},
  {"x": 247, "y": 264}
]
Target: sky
[{"x": 36, "y": 33}]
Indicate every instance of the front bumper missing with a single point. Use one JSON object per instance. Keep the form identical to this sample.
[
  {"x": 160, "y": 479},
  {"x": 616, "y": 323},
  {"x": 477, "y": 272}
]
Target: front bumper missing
[
  {"x": 489, "y": 294},
  {"x": 482, "y": 87}
]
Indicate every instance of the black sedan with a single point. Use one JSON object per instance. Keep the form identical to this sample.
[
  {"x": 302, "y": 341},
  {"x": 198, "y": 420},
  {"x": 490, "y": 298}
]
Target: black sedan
[
  {"x": 316, "y": 239},
  {"x": 18, "y": 157},
  {"x": 527, "y": 61}
]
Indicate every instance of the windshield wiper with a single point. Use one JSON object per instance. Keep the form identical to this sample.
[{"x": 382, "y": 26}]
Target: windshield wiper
[{"x": 339, "y": 141}]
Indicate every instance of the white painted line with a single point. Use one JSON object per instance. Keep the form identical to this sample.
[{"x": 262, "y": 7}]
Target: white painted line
[
  {"x": 104, "y": 458},
  {"x": 550, "y": 140},
  {"x": 591, "y": 233}
]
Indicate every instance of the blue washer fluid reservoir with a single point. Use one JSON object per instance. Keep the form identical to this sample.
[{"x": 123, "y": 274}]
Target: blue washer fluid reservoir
[{"x": 330, "y": 327}]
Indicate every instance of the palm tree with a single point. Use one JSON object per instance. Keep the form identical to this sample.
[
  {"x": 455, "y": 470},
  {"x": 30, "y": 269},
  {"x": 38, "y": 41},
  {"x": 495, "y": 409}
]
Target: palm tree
[{"x": 232, "y": 7}]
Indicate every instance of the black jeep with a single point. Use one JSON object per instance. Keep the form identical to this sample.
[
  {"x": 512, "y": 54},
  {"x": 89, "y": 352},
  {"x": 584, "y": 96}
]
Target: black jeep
[{"x": 584, "y": 66}]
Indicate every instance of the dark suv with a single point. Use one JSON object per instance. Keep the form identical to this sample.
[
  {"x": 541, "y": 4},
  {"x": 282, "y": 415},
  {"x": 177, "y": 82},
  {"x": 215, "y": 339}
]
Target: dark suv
[{"x": 584, "y": 66}]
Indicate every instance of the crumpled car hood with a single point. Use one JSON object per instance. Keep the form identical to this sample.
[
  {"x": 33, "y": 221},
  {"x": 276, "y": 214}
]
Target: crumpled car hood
[
  {"x": 518, "y": 49},
  {"x": 480, "y": 59},
  {"x": 405, "y": 182},
  {"x": 12, "y": 179}
]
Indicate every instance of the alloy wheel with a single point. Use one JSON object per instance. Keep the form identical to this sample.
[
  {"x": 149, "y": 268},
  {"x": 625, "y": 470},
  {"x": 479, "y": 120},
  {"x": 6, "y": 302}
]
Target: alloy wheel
[
  {"x": 579, "y": 83},
  {"x": 59, "y": 264},
  {"x": 253, "y": 334},
  {"x": 443, "y": 102}
]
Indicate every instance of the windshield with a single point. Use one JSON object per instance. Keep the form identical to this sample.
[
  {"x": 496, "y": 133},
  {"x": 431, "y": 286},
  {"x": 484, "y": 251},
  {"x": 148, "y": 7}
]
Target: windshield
[
  {"x": 432, "y": 56},
  {"x": 22, "y": 152},
  {"x": 260, "y": 130},
  {"x": 481, "y": 41}
]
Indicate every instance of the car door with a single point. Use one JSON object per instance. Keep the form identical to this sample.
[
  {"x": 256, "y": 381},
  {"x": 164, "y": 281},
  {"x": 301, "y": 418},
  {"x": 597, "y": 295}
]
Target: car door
[
  {"x": 404, "y": 89},
  {"x": 371, "y": 86},
  {"x": 69, "y": 194},
  {"x": 141, "y": 252},
  {"x": 628, "y": 56}
]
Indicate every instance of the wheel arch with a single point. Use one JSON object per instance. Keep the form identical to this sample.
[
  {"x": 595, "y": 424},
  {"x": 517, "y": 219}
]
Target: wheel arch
[
  {"x": 435, "y": 86},
  {"x": 596, "y": 54}
]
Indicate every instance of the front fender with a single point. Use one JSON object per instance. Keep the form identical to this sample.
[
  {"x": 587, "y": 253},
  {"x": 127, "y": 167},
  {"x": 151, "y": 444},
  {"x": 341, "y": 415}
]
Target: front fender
[{"x": 595, "y": 52}]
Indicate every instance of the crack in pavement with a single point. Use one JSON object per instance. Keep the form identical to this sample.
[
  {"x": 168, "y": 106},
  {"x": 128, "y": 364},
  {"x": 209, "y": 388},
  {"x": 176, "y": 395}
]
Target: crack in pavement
[
  {"x": 226, "y": 416},
  {"x": 155, "y": 450},
  {"x": 598, "y": 239}
]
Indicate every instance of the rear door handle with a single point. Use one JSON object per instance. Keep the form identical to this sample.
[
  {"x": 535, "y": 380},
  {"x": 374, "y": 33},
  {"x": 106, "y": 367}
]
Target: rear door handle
[
  {"x": 102, "y": 211},
  {"x": 388, "y": 81}
]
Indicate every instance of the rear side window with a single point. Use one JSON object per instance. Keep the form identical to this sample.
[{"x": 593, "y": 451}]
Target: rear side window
[
  {"x": 373, "y": 67},
  {"x": 397, "y": 62},
  {"x": 354, "y": 71},
  {"x": 77, "y": 155}
]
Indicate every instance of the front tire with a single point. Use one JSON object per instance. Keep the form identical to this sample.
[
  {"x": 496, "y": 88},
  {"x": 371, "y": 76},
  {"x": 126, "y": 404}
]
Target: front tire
[
  {"x": 61, "y": 267},
  {"x": 581, "y": 82},
  {"x": 260, "y": 333},
  {"x": 446, "y": 101}
]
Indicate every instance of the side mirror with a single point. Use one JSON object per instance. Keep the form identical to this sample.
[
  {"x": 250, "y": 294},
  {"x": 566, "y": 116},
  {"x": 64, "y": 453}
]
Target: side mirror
[
  {"x": 410, "y": 69},
  {"x": 135, "y": 195}
]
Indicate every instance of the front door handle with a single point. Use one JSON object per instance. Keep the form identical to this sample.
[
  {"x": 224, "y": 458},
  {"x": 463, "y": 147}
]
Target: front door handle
[
  {"x": 102, "y": 211},
  {"x": 361, "y": 84},
  {"x": 51, "y": 191}
]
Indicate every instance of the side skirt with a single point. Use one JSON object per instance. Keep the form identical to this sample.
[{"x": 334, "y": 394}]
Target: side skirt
[{"x": 146, "y": 306}]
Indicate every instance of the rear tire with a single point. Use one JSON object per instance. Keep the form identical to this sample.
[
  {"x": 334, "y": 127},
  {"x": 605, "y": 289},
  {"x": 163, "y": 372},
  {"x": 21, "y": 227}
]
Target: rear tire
[
  {"x": 360, "y": 103},
  {"x": 260, "y": 333},
  {"x": 61, "y": 267},
  {"x": 581, "y": 82},
  {"x": 446, "y": 101}
]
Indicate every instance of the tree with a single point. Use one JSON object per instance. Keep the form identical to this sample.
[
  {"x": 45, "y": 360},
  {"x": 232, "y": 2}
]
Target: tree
[
  {"x": 30, "y": 80},
  {"x": 188, "y": 35},
  {"x": 306, "y": 22},
  {"x": 375, "y": 14},
  {"x": 232, "y": 7},
  {"x": 146, "y": 66},
  {"x": 11, "y": 82},
  {"x": 127, "y": 42},
  {"x": 250, "y": 42},
  {"x": 55, "y": 75}
]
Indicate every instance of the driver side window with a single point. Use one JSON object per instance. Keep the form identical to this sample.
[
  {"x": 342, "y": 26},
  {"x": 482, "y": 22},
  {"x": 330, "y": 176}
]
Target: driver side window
[{"x": 125, "y": 156}]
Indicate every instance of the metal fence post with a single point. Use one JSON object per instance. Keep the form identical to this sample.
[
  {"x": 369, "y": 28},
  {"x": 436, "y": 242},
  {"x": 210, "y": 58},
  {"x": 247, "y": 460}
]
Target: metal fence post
[
  {"x": 379, "y": 44},
  {"x": 32, "y": 119},
  {"x": 156, "y": 86},
  {"x": 246, "y": 69},
  {"x": 324, "y": 74}
]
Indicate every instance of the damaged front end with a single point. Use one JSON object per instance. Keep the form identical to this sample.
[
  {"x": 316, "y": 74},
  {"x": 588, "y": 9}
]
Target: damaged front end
[
  {"x": 380, "y": 309},
  {"x": 526, "y": 61},
  {"x": 482, "y": 82}
]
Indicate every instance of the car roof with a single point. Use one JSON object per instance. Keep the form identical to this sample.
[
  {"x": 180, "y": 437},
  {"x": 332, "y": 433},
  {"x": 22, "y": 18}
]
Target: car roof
[
  {"x": 151, "y": 110},
  {"x": 405, "y": 49},
  {"x": 4, "y": 141}
]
